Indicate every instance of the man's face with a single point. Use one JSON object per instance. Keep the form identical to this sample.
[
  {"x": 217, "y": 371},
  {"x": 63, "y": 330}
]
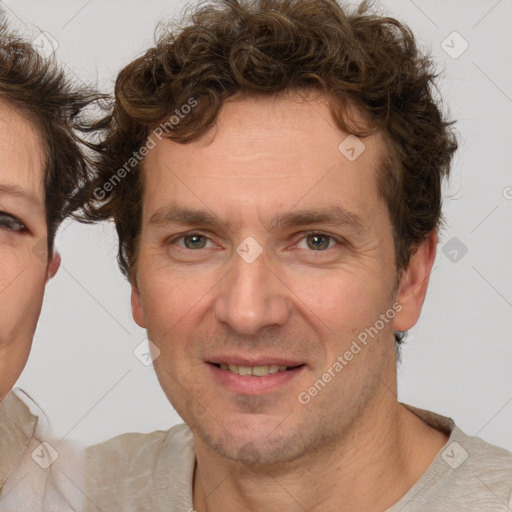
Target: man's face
[
  {"x": 317, "y": 269},
  {"x": 23, "y": 259}
]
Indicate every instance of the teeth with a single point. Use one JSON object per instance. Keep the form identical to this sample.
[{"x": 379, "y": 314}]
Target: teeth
[
  {"x": 258, "y": 371},
  {"x": 243, "y": 370}
]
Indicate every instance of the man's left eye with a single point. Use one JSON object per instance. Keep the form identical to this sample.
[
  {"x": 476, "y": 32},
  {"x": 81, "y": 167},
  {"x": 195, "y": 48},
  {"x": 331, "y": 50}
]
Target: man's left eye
[{"x": 316, "y": 242}]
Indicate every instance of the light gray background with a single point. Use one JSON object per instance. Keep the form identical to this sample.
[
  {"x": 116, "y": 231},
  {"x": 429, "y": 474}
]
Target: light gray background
[{"x": 456, "y": 361}]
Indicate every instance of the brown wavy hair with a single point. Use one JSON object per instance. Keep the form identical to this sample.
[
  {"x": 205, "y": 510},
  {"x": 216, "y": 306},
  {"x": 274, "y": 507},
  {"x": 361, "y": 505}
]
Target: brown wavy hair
[
  {"x": 225, "y": 48},
  {"x": 40, "y": 91}
]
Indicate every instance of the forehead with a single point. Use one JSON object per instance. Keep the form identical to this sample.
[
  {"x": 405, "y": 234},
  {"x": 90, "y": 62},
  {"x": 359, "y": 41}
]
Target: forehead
[
  {"x": 21, "y": 153},
  {"x": 265, "y": 154}
]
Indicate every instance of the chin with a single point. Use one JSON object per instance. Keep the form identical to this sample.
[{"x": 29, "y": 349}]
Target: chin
[
  {"x": 258, "y": 443},
  {"x": 260, "y": 452}
]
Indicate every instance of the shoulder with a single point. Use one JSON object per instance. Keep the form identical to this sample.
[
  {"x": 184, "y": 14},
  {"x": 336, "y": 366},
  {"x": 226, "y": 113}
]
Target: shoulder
[
  {"x": 473, "y": 475},
  {"x": 137, "y": 468},
  {"x": 38, "y": 465},
  {"x": 467, "y": 474},
  {"x": 482, "y": 461},
  {"x": 140, "y": 447}
]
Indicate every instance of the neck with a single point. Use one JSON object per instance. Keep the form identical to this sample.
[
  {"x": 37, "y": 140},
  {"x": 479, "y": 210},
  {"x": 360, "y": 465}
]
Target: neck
[{"x": 370, "y": 468}]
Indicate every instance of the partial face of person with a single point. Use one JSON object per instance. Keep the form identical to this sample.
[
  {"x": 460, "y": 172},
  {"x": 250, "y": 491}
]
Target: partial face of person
[
  {"x": 24, "y": 266},
  {"x": 266, "y": 250}
]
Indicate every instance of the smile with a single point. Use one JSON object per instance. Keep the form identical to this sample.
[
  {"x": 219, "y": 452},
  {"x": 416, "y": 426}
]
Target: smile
[
  {"x": 256, "y": 379},
  {"x": 256, "y": 371}
]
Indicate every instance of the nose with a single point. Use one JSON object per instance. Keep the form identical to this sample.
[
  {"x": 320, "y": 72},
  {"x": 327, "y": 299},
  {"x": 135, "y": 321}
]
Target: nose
[{"x": 252, "y": 297}]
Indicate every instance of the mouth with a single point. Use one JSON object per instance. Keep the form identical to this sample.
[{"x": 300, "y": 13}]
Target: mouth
[
  {"x": 254, "y": 377},
  {"x": 255, "y": 371}
]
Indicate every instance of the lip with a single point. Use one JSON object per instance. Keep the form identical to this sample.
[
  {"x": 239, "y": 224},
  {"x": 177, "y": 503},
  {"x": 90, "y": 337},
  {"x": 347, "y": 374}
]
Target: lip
[
  {"x": 253, "y": 361},
  {"x": 250, "y": 384}
]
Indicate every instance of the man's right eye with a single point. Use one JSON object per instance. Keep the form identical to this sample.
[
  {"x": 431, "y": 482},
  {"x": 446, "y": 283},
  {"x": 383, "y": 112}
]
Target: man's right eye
[
  {"x": 193, "y": 241},
  {"x": 10, "y": 223}
]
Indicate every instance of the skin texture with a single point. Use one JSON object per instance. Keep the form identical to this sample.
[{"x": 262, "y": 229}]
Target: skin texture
[
  {"x": 24, "y": 264},
  {"x": 352, "y": 447}
]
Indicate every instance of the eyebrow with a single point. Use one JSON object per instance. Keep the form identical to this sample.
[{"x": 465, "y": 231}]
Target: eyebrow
[
  {"x": 17, "y": 191},
  {"x": 182, "y": 215},
  {"x": 333, "y": 215}
]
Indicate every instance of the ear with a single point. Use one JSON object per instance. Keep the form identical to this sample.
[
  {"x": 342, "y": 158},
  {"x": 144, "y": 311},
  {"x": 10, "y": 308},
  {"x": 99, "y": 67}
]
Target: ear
[
  {"x": 137, "y": 310},
  {"x": 412, "y": 288},
  {"x": 53, "y": 266}
]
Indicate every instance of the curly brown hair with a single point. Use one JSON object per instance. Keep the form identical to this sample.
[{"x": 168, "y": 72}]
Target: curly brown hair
[
  {"x": 40, "y": 91},
  {"x": 266, "y": 47}
]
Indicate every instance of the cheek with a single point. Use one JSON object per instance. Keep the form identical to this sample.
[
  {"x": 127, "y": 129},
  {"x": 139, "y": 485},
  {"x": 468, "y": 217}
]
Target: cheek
[
  {"x": 343, "y": 300},
  {"x": 13, "y": 262},
  {"x": 169, "y": 302},
  {"x": 22, "y": 282}
]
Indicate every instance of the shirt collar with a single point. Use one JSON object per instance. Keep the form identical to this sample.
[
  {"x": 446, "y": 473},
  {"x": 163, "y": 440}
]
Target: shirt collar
[{"x": 17, "y": 427}]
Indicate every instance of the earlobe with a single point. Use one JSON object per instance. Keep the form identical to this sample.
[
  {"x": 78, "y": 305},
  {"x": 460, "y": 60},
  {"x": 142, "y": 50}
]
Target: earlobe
[
  {"x": 53, "y": 266},
  {"x": 136, "y": 302},
  {"x": 413, "y": 285}
]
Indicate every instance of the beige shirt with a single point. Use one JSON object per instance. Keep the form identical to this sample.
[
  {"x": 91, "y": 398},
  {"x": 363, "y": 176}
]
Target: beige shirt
[
  {"x": 154, "y": 473},
  {"x": 35, "y": 471},
  {"x": 17, "y": 428}
]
